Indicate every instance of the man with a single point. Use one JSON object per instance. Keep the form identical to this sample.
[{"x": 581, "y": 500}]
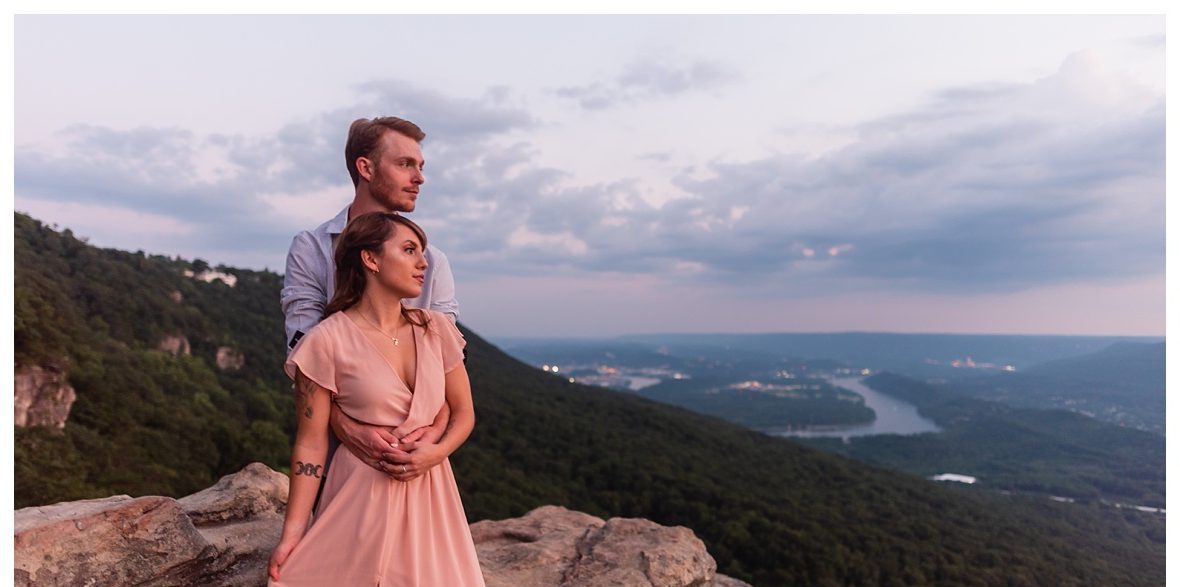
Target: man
[{"x": 385, "y": 161}]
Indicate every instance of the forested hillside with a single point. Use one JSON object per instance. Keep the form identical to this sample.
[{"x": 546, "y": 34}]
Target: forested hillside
[
  {"x": 145, "y": 421},
  {"x": 1121, "y": 384},
  {"x": 1052, "y": 452},
  {"x": 771, "y": 511}
]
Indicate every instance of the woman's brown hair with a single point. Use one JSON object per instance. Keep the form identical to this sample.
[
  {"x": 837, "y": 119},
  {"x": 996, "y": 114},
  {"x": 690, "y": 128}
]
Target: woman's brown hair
[{"x": 367, "y": 232}]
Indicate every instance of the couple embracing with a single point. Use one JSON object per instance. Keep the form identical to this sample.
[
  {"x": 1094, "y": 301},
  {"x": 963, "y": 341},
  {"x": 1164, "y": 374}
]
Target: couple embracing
[{"x": 378, "y": 366}]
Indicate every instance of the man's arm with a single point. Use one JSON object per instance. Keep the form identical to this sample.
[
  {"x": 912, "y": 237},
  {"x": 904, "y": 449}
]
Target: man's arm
[
  {"x": 368, "y": 443},
  {"x": 442, "y": 297},
  {"x": 431, "y": 433},
  {"x": 304, "y": 295}
]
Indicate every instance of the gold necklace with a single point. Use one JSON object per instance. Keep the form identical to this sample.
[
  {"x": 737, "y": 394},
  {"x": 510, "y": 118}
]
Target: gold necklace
[{"x": 378, "y": 328}]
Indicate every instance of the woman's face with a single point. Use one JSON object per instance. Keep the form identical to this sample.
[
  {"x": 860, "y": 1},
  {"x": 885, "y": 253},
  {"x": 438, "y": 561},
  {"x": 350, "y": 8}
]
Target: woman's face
[{"x": 401, "y": 266}]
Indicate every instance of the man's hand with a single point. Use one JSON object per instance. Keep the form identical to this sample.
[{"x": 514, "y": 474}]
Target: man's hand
[
  {"x": 432, "y": 433},
  {"x": 367, "y": 442}
]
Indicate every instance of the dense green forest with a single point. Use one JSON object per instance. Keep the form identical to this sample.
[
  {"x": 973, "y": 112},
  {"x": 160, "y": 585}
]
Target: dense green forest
[
  {"x": 145, "y": 422},
  {"x": 771, "y": 511},
  {"x": 1053, "y": 452}
]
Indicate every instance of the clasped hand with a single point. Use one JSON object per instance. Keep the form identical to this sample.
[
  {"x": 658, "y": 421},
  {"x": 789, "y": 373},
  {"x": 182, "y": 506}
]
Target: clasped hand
[
  {"x": 403, "y": 458},
  {"x": 410, "y": 459}
]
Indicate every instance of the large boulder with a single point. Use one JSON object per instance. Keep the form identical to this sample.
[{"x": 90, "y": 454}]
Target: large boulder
[
  {"x": 242, "y": 517},
  {"x": 112, "y": 541},
  {"x": 555, "y": 547},
  {"x": 223, "y": 535}
]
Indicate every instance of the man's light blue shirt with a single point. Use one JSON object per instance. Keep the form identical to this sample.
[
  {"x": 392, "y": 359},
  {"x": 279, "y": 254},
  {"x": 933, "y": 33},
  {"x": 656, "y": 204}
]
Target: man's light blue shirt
[{"x": 310, "y": 279}]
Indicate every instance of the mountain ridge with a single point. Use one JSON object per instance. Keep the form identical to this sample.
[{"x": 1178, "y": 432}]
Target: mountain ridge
[{"x": 772, "y": 512}]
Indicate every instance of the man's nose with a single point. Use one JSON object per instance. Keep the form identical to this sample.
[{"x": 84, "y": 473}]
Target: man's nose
[{"x": 419, "y": 178}]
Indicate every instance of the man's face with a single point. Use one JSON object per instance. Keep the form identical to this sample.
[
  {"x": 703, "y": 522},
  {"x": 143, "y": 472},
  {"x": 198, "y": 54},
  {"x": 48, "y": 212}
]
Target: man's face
[{"x": 397, "y": 173}]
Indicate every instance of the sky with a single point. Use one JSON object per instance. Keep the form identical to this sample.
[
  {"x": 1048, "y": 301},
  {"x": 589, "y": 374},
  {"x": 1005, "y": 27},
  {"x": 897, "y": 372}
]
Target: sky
[{"x": 605, "y": 175}]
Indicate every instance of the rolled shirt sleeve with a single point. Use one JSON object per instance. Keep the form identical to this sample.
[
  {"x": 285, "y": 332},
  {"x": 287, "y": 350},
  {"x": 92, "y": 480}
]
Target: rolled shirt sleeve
[
  {"x": 304, "y": 294},
  {"x": 442, "y": 285}
]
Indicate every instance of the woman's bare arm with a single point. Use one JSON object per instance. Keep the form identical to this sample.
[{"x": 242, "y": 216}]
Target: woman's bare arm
[{"x": 312, "y": 404}]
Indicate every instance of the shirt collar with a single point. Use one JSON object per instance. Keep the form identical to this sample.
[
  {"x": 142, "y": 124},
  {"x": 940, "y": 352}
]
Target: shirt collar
[{"x": 336, "y": 225}]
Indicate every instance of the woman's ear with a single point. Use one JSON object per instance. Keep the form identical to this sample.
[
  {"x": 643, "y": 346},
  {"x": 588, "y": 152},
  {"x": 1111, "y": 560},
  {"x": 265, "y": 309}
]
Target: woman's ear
[{"x": 369, "y": 260}]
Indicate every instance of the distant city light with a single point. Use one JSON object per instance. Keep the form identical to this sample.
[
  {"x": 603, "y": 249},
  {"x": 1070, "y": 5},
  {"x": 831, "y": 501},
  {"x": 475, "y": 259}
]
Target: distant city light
[
  {"x": 553, "y": 368},
  {"x": 545, "y": 368},
  {"x": 571, "y": 379}
]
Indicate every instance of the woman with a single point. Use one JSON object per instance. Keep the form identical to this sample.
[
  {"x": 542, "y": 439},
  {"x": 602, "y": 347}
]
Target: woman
[{"x": 386, "y": 364}]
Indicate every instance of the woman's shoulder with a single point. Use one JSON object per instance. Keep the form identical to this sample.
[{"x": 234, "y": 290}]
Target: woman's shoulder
[
  {"x": 315, "y": 354},
  {"x": 441, "y": 324},
  {"x": 327, "y": 329},
  {"x": 436, "y": 315},
  {"x": 332, "y": 322}
]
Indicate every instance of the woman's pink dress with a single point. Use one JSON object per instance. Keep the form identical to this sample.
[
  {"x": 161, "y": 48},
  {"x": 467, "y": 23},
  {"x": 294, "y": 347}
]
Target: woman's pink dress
[{"x": 369, "y": 529}]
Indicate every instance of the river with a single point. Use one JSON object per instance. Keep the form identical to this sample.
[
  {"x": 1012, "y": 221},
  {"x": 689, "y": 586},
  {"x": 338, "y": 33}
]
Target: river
[{"x": 894, "y": 416}]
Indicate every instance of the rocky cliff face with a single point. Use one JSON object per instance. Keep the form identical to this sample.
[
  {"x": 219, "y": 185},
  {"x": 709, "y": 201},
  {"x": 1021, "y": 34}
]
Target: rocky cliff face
[
  {"x": 43, "y": 398},
  {"x": 222, "y": 536},
  {"x": 176, "y": 345},
  {"x": 230, "y": 359}
]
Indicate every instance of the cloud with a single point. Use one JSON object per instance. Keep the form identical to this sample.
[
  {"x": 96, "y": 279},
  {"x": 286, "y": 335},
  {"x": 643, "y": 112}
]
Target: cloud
[
  {"x": 985, "y": 188},
  {"x": 1150, "y": 41},
  {"x": 445, "y": 118},
  {"x": 646, "y": 79},
  {"x": 224, "y": 188},
  {"x": 990, "y": 189},
  {"x": 657, "y": 156}
]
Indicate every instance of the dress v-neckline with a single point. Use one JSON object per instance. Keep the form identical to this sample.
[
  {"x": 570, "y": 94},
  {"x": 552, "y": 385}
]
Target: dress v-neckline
[{"x": 373, "y": 347}]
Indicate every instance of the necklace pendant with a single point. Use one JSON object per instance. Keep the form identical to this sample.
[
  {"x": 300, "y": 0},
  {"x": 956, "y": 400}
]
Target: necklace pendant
[{"x": 394, "y": 340}]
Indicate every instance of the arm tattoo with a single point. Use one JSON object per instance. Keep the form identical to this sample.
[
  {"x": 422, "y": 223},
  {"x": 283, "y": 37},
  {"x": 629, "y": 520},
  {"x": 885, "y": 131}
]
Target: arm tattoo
[
  {"x": 304, "y": 390},
  {"x": 308, "y": 469}
]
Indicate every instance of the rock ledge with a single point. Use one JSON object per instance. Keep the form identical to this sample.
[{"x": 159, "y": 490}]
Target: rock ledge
[{"x": 222, "y": 536}]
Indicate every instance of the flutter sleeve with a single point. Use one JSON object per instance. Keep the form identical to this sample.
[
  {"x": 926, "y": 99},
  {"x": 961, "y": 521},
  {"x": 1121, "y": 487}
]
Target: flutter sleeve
[
  {"x": 315, "y": 356},
  {"x": 450, "y": 340}
]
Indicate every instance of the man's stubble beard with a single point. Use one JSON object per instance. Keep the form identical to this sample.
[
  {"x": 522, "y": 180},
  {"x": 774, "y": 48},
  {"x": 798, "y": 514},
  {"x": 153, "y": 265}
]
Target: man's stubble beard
[{"x": 383, "y": 193}]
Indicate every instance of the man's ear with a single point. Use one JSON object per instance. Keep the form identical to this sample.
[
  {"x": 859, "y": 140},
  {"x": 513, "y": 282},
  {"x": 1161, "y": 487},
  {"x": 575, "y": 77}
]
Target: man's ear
[{"x": 364, "y": 166}]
